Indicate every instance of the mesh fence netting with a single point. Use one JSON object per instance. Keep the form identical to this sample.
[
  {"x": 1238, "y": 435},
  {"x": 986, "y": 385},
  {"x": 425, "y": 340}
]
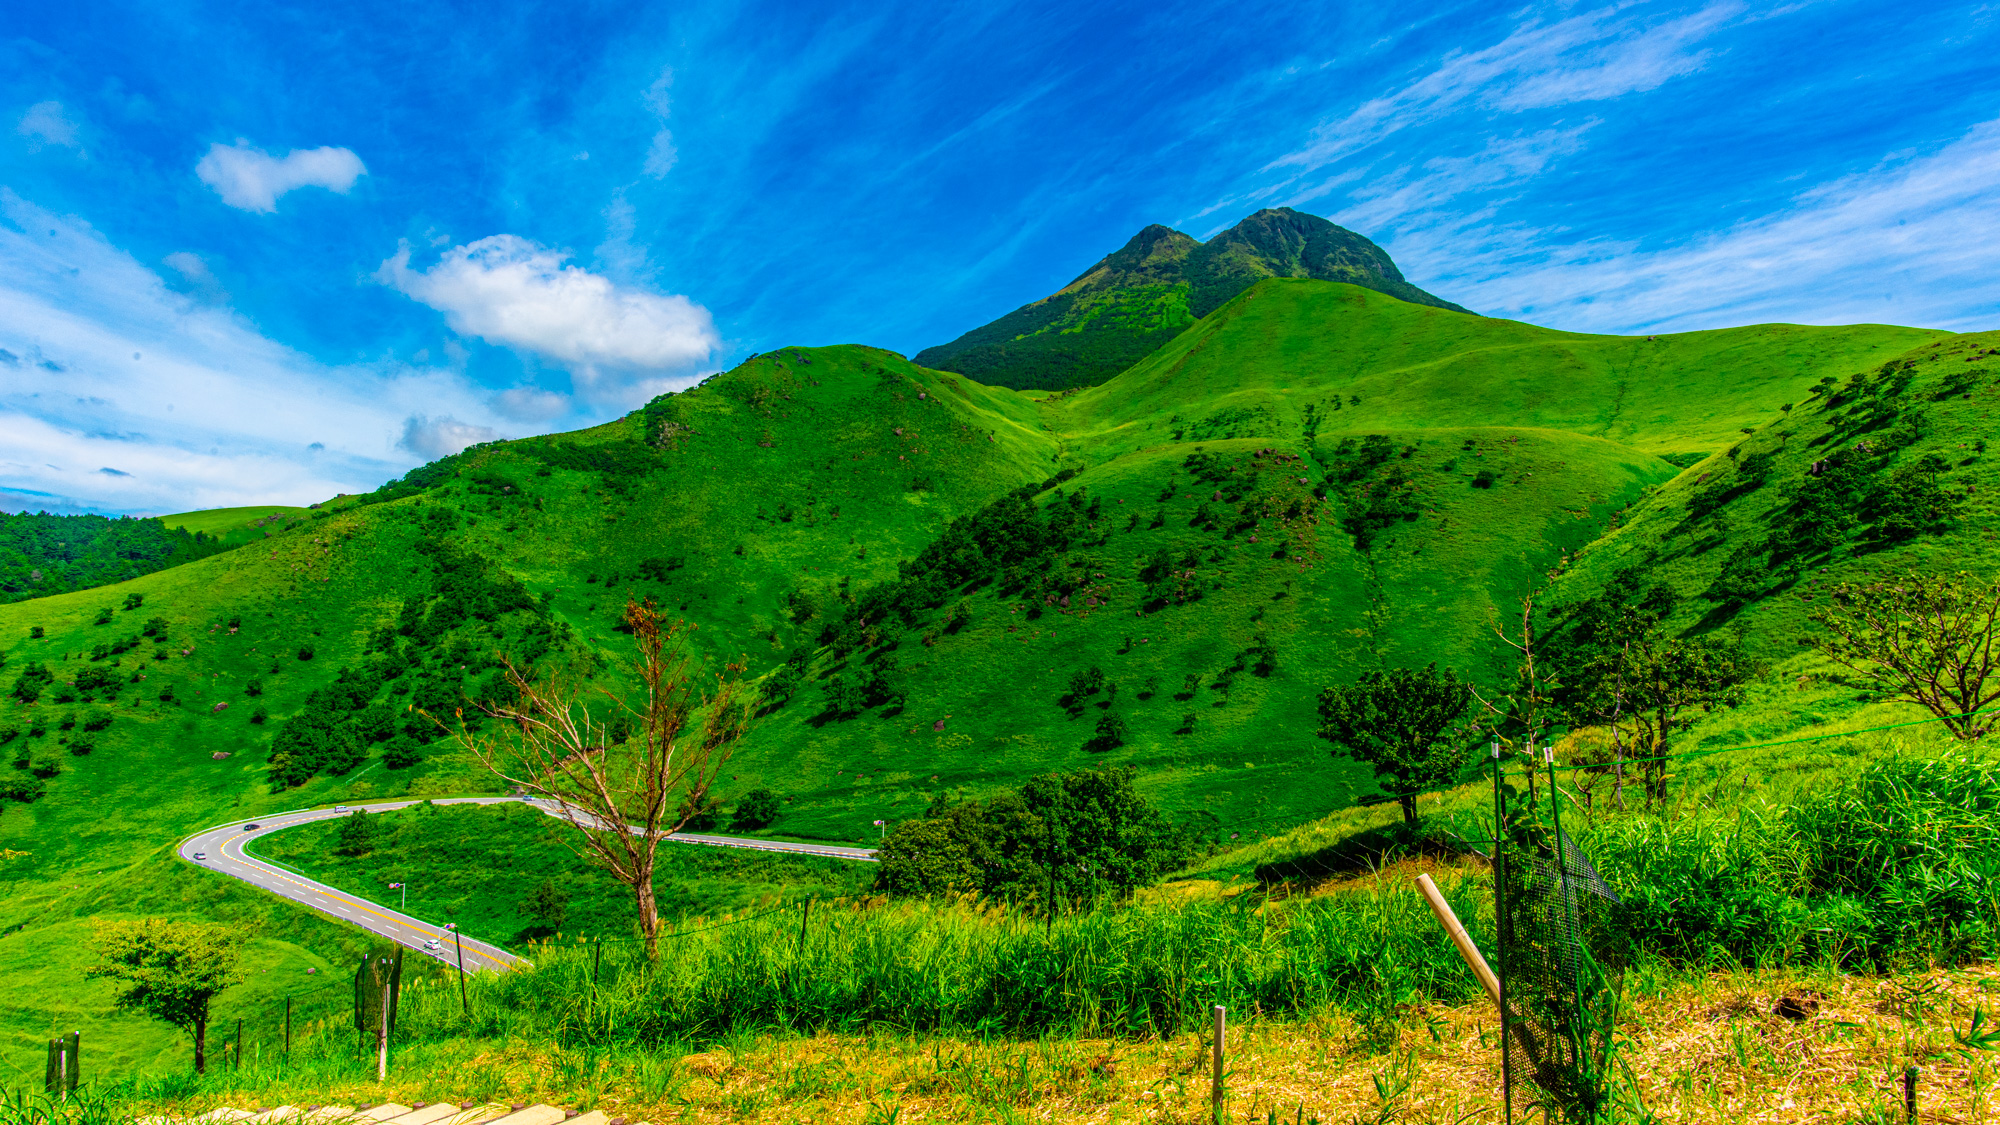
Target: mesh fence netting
[{"x": 1564, "y": 958}]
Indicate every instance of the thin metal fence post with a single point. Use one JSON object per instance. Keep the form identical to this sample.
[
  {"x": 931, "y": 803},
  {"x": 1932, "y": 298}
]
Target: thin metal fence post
[
  {"x": 288, "y": 1027},
  {"x": 239, "y": 1044},
  {"x": 804, "y": 917}
]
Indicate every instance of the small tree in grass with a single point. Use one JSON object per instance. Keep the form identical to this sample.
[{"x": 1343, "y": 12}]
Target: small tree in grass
[
  {"x": 170, "y": 971},
  {"x": 1408, "y": 723},
  {"x": 1924, "y": 639},
  {"x": 547, "y": 906}
]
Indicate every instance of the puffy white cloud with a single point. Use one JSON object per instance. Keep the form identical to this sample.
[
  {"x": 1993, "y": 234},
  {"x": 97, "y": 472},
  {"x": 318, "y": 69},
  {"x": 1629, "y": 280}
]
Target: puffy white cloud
[
  {"x": 107, "y": 367},
  {"x": 442, "y": 436},
  {"x": 48, "y": 123},
  {"x": 509, "y": 291},
  {"x": 252, "y": 180}
]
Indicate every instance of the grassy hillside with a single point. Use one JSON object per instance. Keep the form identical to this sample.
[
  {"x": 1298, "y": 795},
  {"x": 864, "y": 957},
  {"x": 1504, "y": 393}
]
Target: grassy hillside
[
  {"x": 1142, "y": 296},
  {"x": 236, "y": 526},
  {"x": 936, "y": 566},
  {"x": 1292, "y": 357}
]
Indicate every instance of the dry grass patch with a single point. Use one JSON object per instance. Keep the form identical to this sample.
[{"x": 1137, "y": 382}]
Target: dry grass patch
[{"x": 1727, "y": 1047}]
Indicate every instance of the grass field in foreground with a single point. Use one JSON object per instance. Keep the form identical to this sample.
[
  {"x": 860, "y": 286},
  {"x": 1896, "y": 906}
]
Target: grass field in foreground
[{"x": 1704, "y": 1048}]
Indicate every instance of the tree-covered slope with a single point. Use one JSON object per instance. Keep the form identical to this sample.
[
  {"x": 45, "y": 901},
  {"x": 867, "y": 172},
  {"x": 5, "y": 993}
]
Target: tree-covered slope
[
  {"x": 1876, "y": 472},
  {"x": 1146, "y": 293},
  {"x": 43, "y": 554}
]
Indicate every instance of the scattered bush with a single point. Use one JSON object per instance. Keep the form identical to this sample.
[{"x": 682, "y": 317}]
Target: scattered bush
[{"x": 757, "y": 809}]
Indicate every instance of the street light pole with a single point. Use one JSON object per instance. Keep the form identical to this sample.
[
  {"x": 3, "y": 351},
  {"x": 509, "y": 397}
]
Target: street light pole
[
  {"x": 404, "y": 887},
  {"x": 884, "y": 826}
]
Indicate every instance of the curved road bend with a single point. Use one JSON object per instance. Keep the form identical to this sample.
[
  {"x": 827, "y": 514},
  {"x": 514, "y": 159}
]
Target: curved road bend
[{"x": 224, "y": 847}]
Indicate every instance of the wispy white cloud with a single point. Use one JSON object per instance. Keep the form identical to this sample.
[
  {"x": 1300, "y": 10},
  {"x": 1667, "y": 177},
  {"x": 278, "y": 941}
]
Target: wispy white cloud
[
  {"x": 661, "y": 156},
  {"x": 48, "y": 123},
  {"x": 531, "y": 404},
  {"x": 1592, "y": 56},
  {"x": 250, "y": 179},
  {"x": 201, "y": 280},
  {"x": 112, "y": 369},
  {"x": 513, "y": 292},
  {"x": 1905, "y": 242}
]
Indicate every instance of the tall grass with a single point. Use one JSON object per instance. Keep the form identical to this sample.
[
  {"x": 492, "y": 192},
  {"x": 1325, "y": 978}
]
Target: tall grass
[
  {"x": 962, "y": 968},
  {"x": 1898, "y": 864}
]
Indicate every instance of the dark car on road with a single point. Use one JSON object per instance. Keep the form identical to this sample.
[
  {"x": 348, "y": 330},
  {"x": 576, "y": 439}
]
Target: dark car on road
[{"x": 252, "y": 827}]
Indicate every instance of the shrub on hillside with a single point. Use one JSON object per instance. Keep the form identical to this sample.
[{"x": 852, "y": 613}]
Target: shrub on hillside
[
  {"x": 1077, "y": 835},
  {"x": 402, "y": 752},
  {"x": 356, "y": 835},
  {"x": 757, "y": 809}
]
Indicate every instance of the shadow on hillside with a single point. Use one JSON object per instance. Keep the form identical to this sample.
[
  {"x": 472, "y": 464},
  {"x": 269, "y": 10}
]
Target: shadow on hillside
[{"x": 1364, "y": 851}]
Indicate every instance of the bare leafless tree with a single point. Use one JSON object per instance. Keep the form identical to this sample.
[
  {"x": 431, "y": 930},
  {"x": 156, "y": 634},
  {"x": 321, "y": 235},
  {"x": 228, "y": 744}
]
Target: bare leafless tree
[
  {"x": 1929, "y": 639},
  {"x": 622, "y": 794}
]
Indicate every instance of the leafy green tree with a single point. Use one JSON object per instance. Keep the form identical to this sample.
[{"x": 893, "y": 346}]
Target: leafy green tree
[
  {"x": 844, "y": 697},
  {"x": 1649, "y": 684},
  {"x": 757, "y": 809},
  {"x": 547, "y": 906},
  {"x": 882, "y": 683},
  {"x": 1110, "y": 734},
  {"x": 1408, "y": 723},
  {"x": 170, "y": 971},
  {"x": 1912, "y": 502},
  {"x": 780, "y": 686},
  {"x": 356, "y": 835},
  {"x": 402, "y": 752},
  {"x": 1927, "y": 639}
]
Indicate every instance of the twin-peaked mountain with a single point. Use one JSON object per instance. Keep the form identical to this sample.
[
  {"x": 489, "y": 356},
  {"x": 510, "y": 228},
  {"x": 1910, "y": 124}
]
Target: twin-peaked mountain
[{"x": 1135, "y": 300}]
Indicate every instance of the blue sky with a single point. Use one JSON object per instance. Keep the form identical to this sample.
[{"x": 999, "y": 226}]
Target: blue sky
[{"x": 263, "y": 254}]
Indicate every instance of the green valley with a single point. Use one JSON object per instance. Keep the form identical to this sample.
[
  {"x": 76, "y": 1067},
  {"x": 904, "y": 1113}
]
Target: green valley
[{"x": 942, "y": 587}]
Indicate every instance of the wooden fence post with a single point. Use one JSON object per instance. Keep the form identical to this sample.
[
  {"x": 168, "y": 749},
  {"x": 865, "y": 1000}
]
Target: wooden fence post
[{"x": 1215, "y": 1078}]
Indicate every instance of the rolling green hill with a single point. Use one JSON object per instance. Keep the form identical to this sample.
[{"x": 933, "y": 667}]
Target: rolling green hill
[
  {"x": 1143, "y": 295},
  {"x": 940, "y": 585},
  {"x": 236, "y": 526}
]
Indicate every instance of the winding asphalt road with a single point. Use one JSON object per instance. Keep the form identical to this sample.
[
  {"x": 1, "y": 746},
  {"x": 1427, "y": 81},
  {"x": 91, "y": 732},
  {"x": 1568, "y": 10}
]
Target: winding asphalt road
[{"x": 222, "y": 849}]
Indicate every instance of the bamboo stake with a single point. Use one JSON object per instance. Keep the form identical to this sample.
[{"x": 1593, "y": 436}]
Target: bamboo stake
[{"x": 1460, "y": 938}]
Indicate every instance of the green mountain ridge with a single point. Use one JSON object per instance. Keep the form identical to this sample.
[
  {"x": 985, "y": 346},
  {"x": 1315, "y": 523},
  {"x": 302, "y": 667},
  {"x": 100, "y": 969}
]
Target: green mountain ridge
[
  {"x": 1142, "y": 295},
  {"x": 944, "y": 587}
]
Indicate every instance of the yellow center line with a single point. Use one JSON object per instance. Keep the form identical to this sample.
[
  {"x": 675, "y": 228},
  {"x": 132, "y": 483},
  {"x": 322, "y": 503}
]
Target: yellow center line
[{"x": 328, "y": 892}]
